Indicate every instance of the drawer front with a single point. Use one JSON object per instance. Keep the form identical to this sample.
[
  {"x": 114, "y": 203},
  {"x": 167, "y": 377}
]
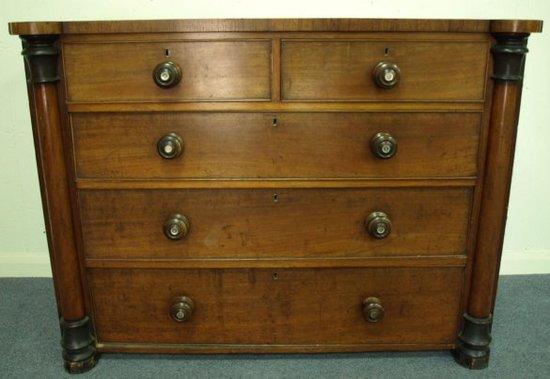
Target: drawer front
[
  {"x": 274, "y": 223},
  {"x": 343, "y": 70},
  {"x": 210, "y": 70},
  {"x": 287, "y": 306},
  {"x": 299, "y": 145}
]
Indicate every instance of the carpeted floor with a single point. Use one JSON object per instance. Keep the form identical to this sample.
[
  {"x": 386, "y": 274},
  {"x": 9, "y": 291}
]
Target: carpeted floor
[{"x": 29, "y": 345}]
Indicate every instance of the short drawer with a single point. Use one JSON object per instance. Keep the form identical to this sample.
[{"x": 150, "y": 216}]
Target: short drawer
[
  {"x": 209, "y": 70},
  {"x": 285, "y": 145},
  {"x": 336, "y": 306},
  {"x": 343, "y": 70},
  {"x": 274, "y": 223}
]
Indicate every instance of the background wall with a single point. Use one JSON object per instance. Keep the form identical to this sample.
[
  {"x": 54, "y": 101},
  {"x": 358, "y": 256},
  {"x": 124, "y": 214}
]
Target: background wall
[{"x": 23, "y": 247}]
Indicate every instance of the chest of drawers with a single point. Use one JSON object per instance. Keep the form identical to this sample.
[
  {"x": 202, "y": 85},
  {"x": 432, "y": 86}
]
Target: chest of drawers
[{"x": 275, "y": 185}]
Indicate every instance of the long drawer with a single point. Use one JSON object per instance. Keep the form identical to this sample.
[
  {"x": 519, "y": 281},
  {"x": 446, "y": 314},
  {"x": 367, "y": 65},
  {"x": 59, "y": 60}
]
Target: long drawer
[
  {"x": 275, "y": 223},
  {"x": 343, "y": 70},
  {"x": 277, "y": 307},
  {"x": 265, "y": 145},
  {"x": 209, "y": 70}
]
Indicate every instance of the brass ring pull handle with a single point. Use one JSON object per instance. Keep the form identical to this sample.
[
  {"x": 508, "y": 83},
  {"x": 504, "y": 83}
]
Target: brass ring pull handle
[
  {"x": 182, "y": 308},
  {"x": 176, "y": 227},
  {"x": 373, "y": 311},
  {"x": 170, "y": 146},
  {"x": 386, "y": 75},
  {"x": 378, "y": 225},
  {"x": 167, "y": 74},
  {"x": 383, "y": 145}
]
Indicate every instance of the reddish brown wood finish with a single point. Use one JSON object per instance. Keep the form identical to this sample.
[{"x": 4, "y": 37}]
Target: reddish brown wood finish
[
  {"x": 276, "y": 106},
  {"x": 496, "y": 190},
  {"x": 277, "y": 258},
  {"x": 235, "y": 224},
  {"x": 277, "y": 307},
  {"x": 275, "y": 145},
  {"x": 211, "y": 70},
  {"x": 277, "y": 263},
  {"x": 273, "y": 183},
  {"x": 270, "y": 25},
  {"x": 516, "y": 26},
  {"x": 57, "y": 200},
  {"x": 335, "y": 69}
]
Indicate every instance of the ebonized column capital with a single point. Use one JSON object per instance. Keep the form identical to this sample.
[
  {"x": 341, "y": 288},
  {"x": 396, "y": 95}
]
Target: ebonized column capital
[
  {"x": 41, "y": 54},
  {"x": 509, "y": 56}
]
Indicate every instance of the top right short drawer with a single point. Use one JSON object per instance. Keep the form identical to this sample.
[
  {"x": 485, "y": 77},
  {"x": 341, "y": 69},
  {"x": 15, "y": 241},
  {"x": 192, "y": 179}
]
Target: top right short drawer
[{"x": 360, "y": 70}]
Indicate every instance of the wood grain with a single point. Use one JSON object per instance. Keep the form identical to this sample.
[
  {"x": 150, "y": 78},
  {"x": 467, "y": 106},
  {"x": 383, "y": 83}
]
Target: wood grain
[
  {"x": 336, "y": 70},
  {"x": 259, "y": 306},
  {"x": 299, "y": 223},
  {"x": 270, "y": 25},
  {"x": 413, "y": 261},
  {"x": 211, "y": 70},
  {"x": 273, "y": 106},
  {"x": 273, "y": 183},
  {"x": 478, "y": 190},
  {"x": 516, "y": 26},
  {"x": 277, "y": 258},
  {"x": 495, "y": 196},
  {"x": 300, "y": 145},
  {"x": 366, "y": 36},
  {"x": 56, "y": 199}
]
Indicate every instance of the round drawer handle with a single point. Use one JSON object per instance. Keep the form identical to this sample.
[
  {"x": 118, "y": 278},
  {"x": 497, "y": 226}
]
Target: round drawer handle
[
  {"x": 170, "y": 146},
  {"x": 373, "y": 311},
  {"x": 167, "y": 74},
  {"x": 383, "y": 145},
  {"x": 378, "y": 225},
  {"x": 176, "y": 227},
  {"x": 182, "y": 308},
  {"x": 386, "y": 75}
]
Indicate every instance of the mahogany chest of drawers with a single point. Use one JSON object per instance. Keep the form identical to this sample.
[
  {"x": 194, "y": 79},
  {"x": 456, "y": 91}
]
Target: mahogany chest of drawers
[{"x": 275, "y": 185}]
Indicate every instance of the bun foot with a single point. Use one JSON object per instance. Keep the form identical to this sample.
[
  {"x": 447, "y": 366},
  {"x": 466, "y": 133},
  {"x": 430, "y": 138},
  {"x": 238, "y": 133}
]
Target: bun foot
[
  {"x": 78, "y": 343},
  {"x": 80, "y": 367},
  {"x": 472, "y": 348}
]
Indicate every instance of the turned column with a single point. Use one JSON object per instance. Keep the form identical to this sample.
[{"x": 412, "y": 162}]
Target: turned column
[
  {"x": 509, "y": 59},
  {"x": 41, "y": 65}
]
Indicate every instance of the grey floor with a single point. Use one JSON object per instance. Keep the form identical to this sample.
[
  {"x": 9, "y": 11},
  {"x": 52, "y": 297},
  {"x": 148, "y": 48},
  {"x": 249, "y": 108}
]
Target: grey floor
[{"x": 29, "y": 345}]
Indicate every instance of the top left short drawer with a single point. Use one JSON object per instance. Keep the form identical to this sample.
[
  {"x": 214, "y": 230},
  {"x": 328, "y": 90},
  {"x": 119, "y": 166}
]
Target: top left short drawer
[{"x": 229, "y": 70}]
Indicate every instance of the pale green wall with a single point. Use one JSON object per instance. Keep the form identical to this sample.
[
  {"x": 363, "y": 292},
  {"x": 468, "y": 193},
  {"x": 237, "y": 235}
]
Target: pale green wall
[{"x": 23, "y": 249}]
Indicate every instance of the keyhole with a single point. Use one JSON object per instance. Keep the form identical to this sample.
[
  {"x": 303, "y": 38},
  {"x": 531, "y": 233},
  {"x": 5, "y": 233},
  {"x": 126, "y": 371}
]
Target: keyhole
[
  {"x": 275, "y": 276},
  {"x": 275, "y": 197},
  {"x": 167, "y": 52},
  {"x": 386, "y": 51},
  {"x": 274, "y": 122}
]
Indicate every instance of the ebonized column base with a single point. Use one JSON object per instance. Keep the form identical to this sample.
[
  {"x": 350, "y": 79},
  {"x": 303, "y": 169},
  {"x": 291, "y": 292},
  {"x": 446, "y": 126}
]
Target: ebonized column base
[
  {"x": 78, "y": 343},
  {"x": 81, "y": 366},
  {"x": 472, "y": 349}
]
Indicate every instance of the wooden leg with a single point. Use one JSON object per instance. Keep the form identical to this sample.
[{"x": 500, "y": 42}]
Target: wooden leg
[{"x": 78, "y": 341}]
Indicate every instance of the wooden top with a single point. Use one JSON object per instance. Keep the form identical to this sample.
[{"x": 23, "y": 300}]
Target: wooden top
[{"x": 277, "y": 25}]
